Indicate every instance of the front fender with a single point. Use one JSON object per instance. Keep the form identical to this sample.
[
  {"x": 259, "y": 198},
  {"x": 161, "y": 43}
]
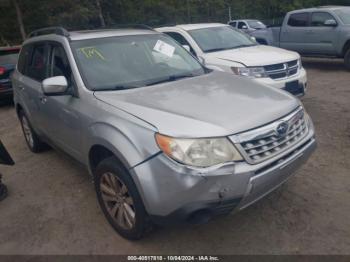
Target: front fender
[{"x": 131, "y": 143}]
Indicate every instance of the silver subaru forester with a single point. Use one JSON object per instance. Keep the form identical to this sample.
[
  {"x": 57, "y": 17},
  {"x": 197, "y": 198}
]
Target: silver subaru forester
[{"x": 165, "y": 139}]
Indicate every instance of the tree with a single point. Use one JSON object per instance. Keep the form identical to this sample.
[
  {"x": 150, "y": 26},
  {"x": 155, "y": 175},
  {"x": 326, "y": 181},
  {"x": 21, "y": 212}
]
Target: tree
[
  {"x": 20, "y": 19},
  {"x": 100, "y": 15}
]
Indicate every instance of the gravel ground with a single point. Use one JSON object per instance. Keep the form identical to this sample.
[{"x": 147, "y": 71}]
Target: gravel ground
[{"x": 52, "y": 207}]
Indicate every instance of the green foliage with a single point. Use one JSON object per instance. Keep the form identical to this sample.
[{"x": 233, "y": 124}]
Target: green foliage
[{"x": 84, "y": 14}]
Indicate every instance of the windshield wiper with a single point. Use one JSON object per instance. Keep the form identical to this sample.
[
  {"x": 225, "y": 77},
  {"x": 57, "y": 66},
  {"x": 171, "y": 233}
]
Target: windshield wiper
[
  {"x": 227, "y": 48},
  {"x": 115, "y": 88},
  {"x": 170, "y": 79},
  {"x": 217, "y": 49},
  {"x": 240, "y": 46}
]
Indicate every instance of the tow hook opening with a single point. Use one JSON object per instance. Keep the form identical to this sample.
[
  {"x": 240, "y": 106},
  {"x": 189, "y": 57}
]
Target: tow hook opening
[{"x": 199, "y": 217}]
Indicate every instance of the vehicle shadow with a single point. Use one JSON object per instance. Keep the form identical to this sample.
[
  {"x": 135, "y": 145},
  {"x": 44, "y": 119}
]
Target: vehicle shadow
[{"x": 324, "y": 64}]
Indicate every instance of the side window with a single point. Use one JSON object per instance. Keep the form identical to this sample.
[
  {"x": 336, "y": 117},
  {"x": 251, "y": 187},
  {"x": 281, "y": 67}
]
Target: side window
[
  {"x": 233, "y": 24},
  {"x": 59, "y": 64},
  {"x": 299, "y": 20},
  {"x": 181, "y": 40},
  {"x": 36, "y": 68},
  {"x": 241, "y": 25},
  {"x": 319, "y": 18}
]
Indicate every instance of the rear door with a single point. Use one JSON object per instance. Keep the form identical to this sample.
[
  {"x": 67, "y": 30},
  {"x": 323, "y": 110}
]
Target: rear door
[
  {"x": 28, "y": 83},
  {"x": 294, "y": 32},
  {"x": 321, "y": 39}
]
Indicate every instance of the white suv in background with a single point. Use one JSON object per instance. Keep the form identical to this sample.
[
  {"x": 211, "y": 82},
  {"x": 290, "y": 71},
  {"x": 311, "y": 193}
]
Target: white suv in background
[{"x": 222, "y": 48}]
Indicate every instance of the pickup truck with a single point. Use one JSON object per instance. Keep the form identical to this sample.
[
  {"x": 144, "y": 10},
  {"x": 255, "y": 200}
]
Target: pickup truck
[{"x": 321, "y": 31}]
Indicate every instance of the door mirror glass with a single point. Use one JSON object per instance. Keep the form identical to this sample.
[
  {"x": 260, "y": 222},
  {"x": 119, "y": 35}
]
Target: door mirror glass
[
  {"x": 330, "y": 22},
  {"x": 244, "y": 27},
  {"x": 55, "y": 86},
  {"x": 187, "y": 47}
]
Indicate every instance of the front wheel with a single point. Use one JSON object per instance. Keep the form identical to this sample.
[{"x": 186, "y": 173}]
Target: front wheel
[
  {"x": 347, "y": 59},
  {"x": 119, "y": 200}
]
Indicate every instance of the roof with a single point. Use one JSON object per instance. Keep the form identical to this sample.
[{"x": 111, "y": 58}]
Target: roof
[
  {"x": 315, "y": 9},
  {"x": 189, "y": 27},
  {"x": 49, "y": 32},
  {"x": 90, "y": 34}
]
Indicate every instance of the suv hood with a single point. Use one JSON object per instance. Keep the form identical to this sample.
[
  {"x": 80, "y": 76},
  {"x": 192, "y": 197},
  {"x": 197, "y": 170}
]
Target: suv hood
[
  {"x": 260, "y": 55},
  {"x": 215, "y": 104}
]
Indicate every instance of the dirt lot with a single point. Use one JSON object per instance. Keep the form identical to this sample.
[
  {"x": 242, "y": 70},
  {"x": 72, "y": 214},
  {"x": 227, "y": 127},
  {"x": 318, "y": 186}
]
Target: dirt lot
[{"x": 52, "y": 207}]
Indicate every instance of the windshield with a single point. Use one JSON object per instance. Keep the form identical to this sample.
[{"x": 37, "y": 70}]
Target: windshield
[
  {"x": 220, "y": 38},
  {"x": 124, "y": 62},
  {"x": 256, "y": 24},
  {"x": 344, "y": 15}
]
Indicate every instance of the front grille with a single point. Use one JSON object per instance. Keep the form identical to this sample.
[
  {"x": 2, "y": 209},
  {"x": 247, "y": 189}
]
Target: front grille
[
  {"x": 271, "y": 141},
  {"x": 282, "y": 70}
]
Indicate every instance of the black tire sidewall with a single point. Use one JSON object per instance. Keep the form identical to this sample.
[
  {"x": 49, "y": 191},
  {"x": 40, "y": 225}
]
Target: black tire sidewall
[
  {"x": 112, "y": 165},
  {"x": 35, "y": 147},
  {"x": 347, "y": 59}
]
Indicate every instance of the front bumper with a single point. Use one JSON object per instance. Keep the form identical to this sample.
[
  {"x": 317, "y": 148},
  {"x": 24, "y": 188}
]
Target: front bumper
[
  {"x": 175, "y": 193},
  {"x": 281, "y": 83}
]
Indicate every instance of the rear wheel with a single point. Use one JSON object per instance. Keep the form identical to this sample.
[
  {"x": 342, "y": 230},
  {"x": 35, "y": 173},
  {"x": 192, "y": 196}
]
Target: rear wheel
[
  {"x": 33, "y": 141},
  {"x": 347, "y": 59},
  {"x": 119, "y": 200}
]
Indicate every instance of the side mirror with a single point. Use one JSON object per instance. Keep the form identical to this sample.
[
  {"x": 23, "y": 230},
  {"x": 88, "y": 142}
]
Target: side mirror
[
  {"x": 55, "y": 86},
  {"x": 330, "y": 22},
  {"x": 187, "y": 47},
  {"x": 244, "y": 27}
]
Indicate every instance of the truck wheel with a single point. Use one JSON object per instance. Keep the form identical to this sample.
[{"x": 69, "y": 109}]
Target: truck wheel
[
  {"x": 32, "y": 139},
  {"x": 347, "y": 59},
  {"x": 119, "y": 200}
]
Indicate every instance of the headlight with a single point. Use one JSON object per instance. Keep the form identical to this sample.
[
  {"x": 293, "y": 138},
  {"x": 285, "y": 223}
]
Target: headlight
[
  {"x": 257, "y": 72},
  {"x": 198, "y": 152},
  {"x": 300, "y": 65}
]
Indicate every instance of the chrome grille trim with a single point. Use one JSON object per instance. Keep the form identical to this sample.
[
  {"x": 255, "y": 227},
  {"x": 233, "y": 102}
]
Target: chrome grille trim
[
  {"x": 282, "y": 70},
  {"x": 263, "y": 143}
]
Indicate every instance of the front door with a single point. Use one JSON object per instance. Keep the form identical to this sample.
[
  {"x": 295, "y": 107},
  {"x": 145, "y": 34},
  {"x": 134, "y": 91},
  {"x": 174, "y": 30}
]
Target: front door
[
  {"x": 62, "y": 121},
  {"x": 294, "y": 31},
  {"x": 321, "y": 38}
]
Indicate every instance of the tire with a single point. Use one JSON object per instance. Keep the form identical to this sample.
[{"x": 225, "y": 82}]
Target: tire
[
  {"x": 32, "y": 139},
  {"x": 120, "y": 200},
  {"x": 347, "y": 59}
]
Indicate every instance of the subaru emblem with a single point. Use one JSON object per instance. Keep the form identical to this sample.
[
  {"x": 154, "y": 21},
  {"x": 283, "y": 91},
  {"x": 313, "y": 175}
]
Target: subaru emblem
[{"x": 282, "y": 129}]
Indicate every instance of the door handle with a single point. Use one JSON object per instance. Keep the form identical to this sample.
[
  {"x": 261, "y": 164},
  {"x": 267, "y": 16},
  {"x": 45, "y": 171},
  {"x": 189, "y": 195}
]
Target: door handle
[
  {"x": 43, "y": 100},
  {"x": 21, "y": 88}
]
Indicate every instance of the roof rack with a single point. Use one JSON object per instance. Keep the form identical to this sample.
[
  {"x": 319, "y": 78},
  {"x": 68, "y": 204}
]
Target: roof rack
[
  {"x": 50, "y": 30},
  {"x": 128, "y": 26}
]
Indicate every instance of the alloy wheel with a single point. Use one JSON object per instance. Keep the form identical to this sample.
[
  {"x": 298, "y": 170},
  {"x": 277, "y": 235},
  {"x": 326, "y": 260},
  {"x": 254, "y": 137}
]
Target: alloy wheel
[{"x": 117, "y": 200}]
